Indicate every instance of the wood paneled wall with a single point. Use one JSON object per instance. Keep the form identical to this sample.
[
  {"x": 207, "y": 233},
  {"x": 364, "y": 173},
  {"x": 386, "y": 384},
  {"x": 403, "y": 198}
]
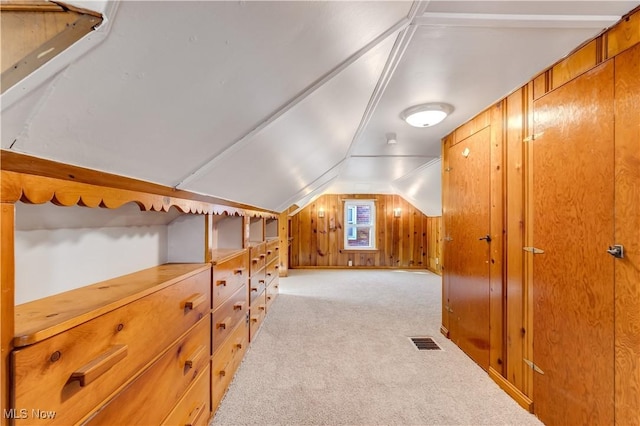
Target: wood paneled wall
[
  {"x": 401, "y": 242},
  {"x": 514, "y": 270}
]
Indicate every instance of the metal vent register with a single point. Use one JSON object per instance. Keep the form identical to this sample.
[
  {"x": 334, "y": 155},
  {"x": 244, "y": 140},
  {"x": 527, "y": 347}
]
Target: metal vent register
[{"x": 425, "y": 344}]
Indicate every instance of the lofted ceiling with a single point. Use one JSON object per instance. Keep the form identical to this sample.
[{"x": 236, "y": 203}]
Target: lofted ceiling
[{"x": 274, "y": 103}]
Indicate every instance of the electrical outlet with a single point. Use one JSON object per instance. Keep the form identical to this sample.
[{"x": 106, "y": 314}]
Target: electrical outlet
[{"x": 437, "y": 260}]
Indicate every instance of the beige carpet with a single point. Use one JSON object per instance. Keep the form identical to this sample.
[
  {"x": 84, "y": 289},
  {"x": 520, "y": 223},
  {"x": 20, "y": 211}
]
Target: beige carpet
[{"x": 335, "y": 350}]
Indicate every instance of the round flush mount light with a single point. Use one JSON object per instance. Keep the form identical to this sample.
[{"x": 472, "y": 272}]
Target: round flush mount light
[{"x": 426, "y": 115}]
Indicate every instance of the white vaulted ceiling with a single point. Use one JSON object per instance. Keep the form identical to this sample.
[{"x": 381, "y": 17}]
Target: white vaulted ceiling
[{"x": 273, "y": 103}]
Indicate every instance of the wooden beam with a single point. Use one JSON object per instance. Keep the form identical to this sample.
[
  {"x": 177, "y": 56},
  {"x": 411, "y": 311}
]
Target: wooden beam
[
  {"x": 283, "y": 236},
  {"x": 7, "y": 275},
  {"x": 21, "y": 58}
]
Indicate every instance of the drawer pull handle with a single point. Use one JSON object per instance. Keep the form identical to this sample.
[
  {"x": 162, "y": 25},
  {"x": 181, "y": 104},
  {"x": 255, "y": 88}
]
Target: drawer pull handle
[
  {"x": 262, "y": 307},
  {"x": 268, "y": 297},
  {"x": 269, "y": 252},
  {"x": 96, "y": 368},
  {"x": 195, "y": 415},
  {"x": 221, "y": 283},
  {"x": 276, "y": 267},
  {"x": 223, "y": 325},
  {"x": 268, "y": 274},
  {"x": 239, "y": 344},
  {"x": 255, "y": 318},
  {"x": 260, "y": 281},
  {"x": 277, "y": 248},
  {"x": 190, "y": 362},
  {"x": 262, "y": 256},
  {"x": 238, "y": 271},
  {"x": 275, "y": 286},
  {"x": 194, "y": 301},
  {"x": 254, "y": 288},
  {"x": 255, "y": 260},
  {"x": 238, "y": 306}
]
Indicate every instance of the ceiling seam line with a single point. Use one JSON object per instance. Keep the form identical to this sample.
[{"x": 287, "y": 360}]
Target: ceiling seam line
[
  {"x": 242, "y": 141},
  {"x": 294, "y": 196},
  {"x": 416, "y": 170}
]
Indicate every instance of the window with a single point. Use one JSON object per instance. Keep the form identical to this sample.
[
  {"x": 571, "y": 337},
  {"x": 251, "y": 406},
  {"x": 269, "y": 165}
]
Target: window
[{"x": 360, "y": 220}]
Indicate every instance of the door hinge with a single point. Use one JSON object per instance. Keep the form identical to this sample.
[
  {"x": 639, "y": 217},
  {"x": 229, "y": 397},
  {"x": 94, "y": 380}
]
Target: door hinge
[
  {"x": 533, "y": 366},
  {"x": 533, "y": 250},
  {"x": 448, "y": 169},
  {"x": 533, "y": 137}
]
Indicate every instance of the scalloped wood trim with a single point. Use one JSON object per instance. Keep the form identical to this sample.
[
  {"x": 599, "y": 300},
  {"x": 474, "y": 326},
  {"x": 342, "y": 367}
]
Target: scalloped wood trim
[
  {"x": 35, "y": 189},
  {"x": 33, "y": 166}
]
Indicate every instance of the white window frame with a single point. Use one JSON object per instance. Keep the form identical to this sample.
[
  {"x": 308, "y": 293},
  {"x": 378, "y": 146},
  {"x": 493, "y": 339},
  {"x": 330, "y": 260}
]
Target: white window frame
[{"x": 350, "y": 218}]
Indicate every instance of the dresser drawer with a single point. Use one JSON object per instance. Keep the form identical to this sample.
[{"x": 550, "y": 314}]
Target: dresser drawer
[
  {"x": 272, "y": 271},
  {"x": 273, "y": 248},
  {"x": 73, "y": 372},
  {"x": 227, "y": 316},
  {"x": 258, "y": 255},
  {"x": 149, "y": 398},
  {"x": 228, "y": 277},
  {"x": 193, "y": 408},
  {"x": 272, "y": 292},
  {"x": 225, "y": 362},
  {"x": 257, "y": 313},
  {"x": 257, "y": 285}
]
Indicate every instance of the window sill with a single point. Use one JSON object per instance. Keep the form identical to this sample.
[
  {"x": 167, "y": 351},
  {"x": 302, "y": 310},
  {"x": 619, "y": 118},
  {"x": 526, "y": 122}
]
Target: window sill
[{"x": 361, "y": 249}]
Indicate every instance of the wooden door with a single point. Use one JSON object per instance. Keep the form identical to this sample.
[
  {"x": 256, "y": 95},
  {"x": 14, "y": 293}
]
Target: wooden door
[
  {"x": 627, "y": 318},
  {"x": 573, "y": 187},
  {"x": 468, "y": 255}
]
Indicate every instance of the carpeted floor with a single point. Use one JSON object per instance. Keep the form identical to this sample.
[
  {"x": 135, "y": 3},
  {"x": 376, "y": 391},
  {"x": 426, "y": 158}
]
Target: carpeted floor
[{"x": 335, "y": 350}]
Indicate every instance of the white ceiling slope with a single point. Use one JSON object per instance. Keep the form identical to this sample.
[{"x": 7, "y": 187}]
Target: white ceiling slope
[{"x": 273, "y": 103}]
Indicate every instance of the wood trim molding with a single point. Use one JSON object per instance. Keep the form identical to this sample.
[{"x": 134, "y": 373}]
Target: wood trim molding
[
  {"x": 7, "y": 302},
  {"x": 29, "y": 6},
  {"x": 444, "y": 331},
  {"x": 510, "y": 389},
  {"x": 35, "y": 180}
]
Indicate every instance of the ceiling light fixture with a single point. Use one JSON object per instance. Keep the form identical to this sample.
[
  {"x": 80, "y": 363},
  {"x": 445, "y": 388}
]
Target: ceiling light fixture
[{"x": 426, "y": 115}]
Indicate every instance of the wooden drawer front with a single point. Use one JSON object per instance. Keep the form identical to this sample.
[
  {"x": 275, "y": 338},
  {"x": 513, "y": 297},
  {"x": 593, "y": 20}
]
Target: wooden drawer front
[
  {"x": 257, "y": 285},
  {"x": 227, "y": 316},
  {"x": 71, "y": 373},
  {"x": 273, "y": 249},
  {"x": 228, "y": 277},
  {"x": 256, "y": 314},
  {"x": 272, "y": 271},
  {"x": 193, "y": 408},
  {"x": 257, "y": 264},
  {"x": 225, "y": 362},
  {"x": 272, "y": 292},
  {"x": 149, "y": 398},
  {"x": 258, "y": 255}
]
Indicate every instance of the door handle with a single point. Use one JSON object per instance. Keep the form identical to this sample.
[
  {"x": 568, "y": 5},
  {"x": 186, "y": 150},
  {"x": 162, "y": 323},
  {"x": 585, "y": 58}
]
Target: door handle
[
  {"x": 616, "y": 251},
  {"x": 487, "y": 238}
]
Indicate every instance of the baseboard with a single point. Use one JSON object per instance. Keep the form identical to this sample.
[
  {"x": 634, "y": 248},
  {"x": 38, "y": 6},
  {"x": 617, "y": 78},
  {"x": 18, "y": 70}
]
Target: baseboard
[
  {"x": 444, "y": 331},
  {"x": 435, "y": 271},
  {"x": 511, "y": 390}
]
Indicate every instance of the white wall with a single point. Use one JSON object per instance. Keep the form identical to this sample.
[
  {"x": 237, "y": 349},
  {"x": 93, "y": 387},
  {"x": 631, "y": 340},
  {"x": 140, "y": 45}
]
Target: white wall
[
  {"x": 186, "y": 239},
  {"x": 228, "y": 231},
  {"x": 256, "y": 229},
  {"x": 423, "y": 188},
  {"x": 61, "y": 248}
]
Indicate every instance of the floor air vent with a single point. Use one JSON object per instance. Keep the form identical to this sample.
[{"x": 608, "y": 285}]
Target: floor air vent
[{"x": 425, "y": 344}]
